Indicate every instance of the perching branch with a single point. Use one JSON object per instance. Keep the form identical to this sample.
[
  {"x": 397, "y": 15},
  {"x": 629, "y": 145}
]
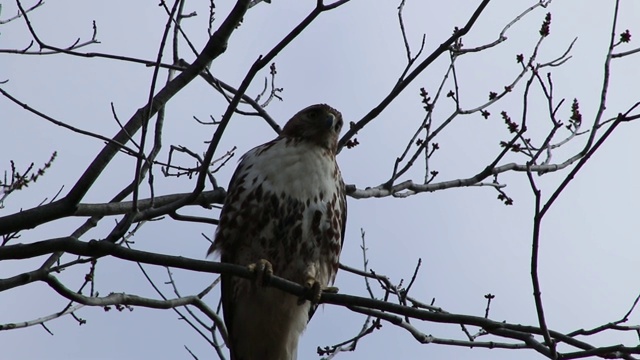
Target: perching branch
[{"x": 522, "y": 333}]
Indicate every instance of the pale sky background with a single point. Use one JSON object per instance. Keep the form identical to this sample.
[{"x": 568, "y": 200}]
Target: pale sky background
[{"x": 470, "y": 243}]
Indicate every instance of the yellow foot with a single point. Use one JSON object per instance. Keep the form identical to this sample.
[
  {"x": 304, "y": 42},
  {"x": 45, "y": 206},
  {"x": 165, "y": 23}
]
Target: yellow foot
[
  {"x": 314, "y": 290},
  {"x": 262, "y": 271}
]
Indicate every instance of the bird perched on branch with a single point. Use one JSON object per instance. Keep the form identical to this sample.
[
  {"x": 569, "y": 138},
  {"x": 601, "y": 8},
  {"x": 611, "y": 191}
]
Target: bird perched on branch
[{"x": 284, "y": 215}]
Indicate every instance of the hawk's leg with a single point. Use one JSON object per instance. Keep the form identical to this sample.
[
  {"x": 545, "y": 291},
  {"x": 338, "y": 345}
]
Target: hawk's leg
[
  {"x": 314, "y": 290},
  {"x": 262, "y": 271}
]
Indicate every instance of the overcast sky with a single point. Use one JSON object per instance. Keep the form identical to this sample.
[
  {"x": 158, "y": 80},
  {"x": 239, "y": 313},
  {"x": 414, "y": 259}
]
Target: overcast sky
[{"x": 470, "y": 243}]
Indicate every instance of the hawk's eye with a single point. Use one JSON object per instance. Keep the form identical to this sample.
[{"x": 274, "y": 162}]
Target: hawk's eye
[{"x": 338, "y": 125}]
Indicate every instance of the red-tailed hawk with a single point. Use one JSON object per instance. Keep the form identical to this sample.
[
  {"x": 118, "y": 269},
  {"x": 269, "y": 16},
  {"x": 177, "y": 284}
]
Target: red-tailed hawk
[{"x": 286, "y": 204}]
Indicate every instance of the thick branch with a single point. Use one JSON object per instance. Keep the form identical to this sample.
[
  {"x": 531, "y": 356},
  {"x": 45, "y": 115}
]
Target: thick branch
[
  {"x": 205, "y": 199},
  {"x": 103, "y": 248},
  {"x": 66, "y": 206}
]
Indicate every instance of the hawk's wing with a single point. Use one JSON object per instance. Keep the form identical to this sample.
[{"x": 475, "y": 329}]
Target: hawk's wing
[
  {"x": 240, "y": 207},
  {"x": 340, "y": 222}
]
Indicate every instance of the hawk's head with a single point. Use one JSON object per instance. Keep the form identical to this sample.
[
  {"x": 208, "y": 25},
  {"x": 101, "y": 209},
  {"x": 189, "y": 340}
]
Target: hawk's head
[{"x": 319, "y": 124}]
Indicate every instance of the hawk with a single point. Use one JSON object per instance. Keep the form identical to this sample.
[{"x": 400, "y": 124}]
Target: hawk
[{"x": 284, "y": 214}]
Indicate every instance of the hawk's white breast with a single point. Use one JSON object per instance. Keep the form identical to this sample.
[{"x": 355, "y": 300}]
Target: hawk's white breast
[{"x": 301, "y": 170}]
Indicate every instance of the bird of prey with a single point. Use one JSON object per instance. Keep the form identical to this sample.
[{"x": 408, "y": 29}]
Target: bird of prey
[{"x": 284, "y": 214}]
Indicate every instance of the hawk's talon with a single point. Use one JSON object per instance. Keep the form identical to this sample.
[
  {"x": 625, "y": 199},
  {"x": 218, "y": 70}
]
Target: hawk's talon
[
  {"x": 314, "y": 291},
  {"x": 262, "y": 271},
  {"x": 331, "y": 290}
]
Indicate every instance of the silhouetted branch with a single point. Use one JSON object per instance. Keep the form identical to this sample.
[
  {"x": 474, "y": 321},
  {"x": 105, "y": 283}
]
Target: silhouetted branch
[
  {"x": 376, "y": 308},
  {"x": 66, "y": 206}
]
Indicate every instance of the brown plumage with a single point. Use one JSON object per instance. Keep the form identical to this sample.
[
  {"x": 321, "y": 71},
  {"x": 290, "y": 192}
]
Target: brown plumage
[{"x": 286, "y": 204}]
